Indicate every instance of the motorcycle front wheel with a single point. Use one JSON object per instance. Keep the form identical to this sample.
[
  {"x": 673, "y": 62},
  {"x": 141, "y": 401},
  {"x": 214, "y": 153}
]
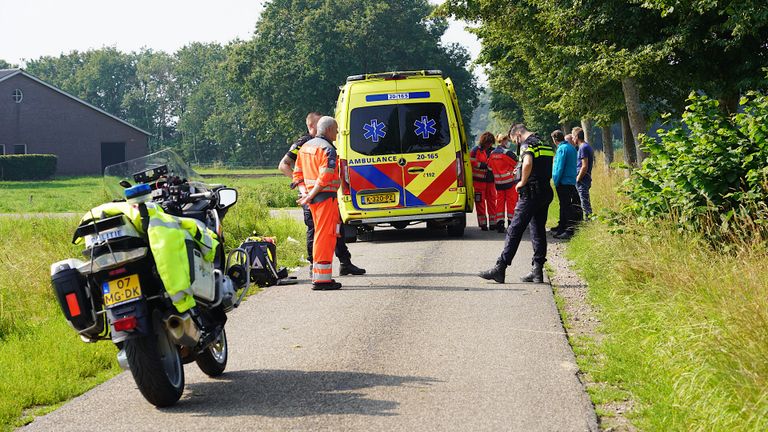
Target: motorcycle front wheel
[
  {"x": 213, "y": 360},
  {"x": 156, "y": 367}
]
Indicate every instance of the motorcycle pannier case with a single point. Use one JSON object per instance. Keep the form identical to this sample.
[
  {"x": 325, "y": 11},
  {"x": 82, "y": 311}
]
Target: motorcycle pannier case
[{"x": 72, "y": 293}]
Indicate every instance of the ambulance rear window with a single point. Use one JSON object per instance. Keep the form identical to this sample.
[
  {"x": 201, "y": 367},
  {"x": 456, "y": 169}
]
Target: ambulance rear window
[{"x": 395, "y": 129}]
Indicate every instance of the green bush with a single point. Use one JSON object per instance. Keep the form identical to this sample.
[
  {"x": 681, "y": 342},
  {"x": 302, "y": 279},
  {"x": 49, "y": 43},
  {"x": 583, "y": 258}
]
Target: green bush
[
  {"x": 709, "y": 173},
  {"x": 27, "y": 167}
]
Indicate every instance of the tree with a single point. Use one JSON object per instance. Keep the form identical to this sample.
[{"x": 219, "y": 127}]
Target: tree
[{"x": 303, "y": 50}]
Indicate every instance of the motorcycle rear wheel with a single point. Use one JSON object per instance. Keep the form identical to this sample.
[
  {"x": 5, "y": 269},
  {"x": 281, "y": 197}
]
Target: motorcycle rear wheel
[
  {"x": 156, "y": 367},
  {"x": 213, "y": 360}
]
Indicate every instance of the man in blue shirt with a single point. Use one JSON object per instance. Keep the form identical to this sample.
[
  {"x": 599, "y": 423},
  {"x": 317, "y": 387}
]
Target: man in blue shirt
[
  {"x": 564, "y": 178},
  {"x": 584, "y": 176}
]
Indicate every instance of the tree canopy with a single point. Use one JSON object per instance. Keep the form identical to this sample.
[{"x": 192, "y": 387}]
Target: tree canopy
[
  {"x": 602, "y": 59},
  {"x": 303, "y": 50}
]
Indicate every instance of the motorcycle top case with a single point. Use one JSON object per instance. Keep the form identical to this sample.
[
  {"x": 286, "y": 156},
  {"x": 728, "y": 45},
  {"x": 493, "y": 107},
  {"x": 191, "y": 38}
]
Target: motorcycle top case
[{"x": 71, "y": 290}]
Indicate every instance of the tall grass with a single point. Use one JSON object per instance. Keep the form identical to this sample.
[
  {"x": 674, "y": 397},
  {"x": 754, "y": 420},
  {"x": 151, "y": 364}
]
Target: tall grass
[{"x": 685, "y": 321}]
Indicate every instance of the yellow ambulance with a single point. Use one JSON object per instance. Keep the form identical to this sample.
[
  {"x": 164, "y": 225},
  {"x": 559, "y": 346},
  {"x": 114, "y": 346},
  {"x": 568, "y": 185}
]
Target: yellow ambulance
[{"x": 403, "y": 153}]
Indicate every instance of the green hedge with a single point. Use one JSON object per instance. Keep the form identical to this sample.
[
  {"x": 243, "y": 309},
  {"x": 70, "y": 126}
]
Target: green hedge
[{"x": 27, "y": 167}]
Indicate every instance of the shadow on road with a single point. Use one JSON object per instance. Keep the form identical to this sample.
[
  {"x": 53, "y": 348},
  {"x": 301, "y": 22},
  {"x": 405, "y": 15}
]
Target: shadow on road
[
  {"x": 290, "y": 393},
  {"x": 411, "y": 234},
  {"x": 423, "y": 288}
]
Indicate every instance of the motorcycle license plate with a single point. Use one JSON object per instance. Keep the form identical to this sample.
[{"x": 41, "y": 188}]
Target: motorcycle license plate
[
  {"x": 121, "y": 290},
  {"x": 378, "y": 198}
]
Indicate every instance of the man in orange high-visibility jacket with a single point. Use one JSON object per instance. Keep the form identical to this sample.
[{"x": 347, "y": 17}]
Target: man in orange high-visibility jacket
[
  {"x": 502, "y": 163},
  {"x": 482, "y": 179},
  {"x": 317, "y": 177}
]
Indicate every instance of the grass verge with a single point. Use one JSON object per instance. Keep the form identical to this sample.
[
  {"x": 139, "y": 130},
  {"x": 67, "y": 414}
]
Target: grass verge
[{"x": 685, "y": 325}]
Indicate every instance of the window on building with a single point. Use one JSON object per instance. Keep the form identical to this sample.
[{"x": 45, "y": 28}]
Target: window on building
[
  {"x": 19, "y": 149},
  {"x": 2, "y": 149},
  {"x": 18, "y": 96}
]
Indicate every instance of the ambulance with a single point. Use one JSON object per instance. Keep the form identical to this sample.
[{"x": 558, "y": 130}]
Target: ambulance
[{"x": 403, "y": 153}]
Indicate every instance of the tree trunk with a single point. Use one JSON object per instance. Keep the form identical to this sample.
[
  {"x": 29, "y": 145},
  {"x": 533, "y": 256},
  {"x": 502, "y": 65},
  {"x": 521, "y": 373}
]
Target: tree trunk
[
  {"x": 729, "y": 104},
  {"x": 608, "y": 145},
  {"x": 635, "y": 113},
  {"x": 630, "y": 153},
  {"x": 586, "y": 124}
]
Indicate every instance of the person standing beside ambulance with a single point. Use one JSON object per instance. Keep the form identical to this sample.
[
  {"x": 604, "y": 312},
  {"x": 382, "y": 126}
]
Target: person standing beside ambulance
[
  {"x": 502, "y": 163},
  {"x": 286, "y": 166},
  {"x": 317, "y": 177},
  {"x": 482, "y": 178}
]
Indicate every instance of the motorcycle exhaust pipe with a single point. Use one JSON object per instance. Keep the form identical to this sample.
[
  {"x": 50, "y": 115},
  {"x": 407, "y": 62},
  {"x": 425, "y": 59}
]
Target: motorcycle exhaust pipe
[{"x": 182, "y": 330}]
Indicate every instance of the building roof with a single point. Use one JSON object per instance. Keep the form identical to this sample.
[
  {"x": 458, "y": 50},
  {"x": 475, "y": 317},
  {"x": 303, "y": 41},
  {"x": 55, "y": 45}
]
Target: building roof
[{"x": 8, "y": 73}]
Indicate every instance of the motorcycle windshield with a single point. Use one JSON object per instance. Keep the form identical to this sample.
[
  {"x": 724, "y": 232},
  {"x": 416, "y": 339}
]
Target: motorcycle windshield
[{"x": 143, "y": 167}]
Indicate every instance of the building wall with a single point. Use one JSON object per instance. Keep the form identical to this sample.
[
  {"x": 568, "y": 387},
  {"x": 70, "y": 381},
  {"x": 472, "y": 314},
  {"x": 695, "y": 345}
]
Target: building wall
[{"x": 49, "y": 122}]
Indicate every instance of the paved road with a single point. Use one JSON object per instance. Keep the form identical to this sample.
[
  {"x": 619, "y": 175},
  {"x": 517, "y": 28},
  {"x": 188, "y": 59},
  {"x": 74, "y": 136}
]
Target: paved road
[{"x": 420, "y": 343}]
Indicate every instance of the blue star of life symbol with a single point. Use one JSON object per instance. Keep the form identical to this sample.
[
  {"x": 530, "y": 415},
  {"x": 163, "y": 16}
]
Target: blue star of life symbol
[
  {"x": 425, "y": 127},
  {"x": 374, "y": 131}
]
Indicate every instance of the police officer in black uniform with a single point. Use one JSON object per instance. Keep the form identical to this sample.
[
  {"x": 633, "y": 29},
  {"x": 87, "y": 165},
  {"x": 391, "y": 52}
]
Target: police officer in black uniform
[{"x": 535, "y": 193}]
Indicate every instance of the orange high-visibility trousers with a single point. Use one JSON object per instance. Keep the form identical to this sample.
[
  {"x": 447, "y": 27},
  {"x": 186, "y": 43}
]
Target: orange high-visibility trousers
[
  {"x": 506, "y": 200},
  {"x": 485, "y": 203},
  {"x": 326, "y": 216}
]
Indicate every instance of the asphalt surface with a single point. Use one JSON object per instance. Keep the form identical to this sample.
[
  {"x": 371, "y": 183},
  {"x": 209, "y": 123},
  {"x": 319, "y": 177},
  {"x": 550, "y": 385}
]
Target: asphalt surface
[{"x": 419, "y": 343}]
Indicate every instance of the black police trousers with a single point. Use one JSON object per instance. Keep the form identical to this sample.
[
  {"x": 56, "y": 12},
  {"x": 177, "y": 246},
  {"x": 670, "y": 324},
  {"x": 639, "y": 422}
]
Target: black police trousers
[
  {"x": 531, "y": 209},
  {"x": 342, "y": 251}
]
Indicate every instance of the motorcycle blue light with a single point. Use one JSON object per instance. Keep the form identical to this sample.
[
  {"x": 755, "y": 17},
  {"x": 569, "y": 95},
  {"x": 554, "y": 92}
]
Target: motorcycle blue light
[{"x": 138, "y": 190}]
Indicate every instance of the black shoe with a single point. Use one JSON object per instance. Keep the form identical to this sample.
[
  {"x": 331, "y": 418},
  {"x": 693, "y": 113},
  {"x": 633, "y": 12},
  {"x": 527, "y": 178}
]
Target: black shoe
[
  {"x": 536, "y": 275},
  {"x": 564, "y": 235},
  {"x": 349, "y": 268},
  {"x": 556, "y": 230},
  {"x": 483, "y": 227},
  {"x": 326, "y": 286},
  {"x": 497, "y": 273},
  {"x": 500, "y": 226}
]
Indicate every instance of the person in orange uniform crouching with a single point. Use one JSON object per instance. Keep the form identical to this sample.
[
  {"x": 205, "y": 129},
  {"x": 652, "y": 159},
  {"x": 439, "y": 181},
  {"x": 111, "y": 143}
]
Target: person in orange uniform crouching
[
  {"x": 482, "y": 178},
  {"x": 502, "y": 163},
  {"x": 317, "y": 177}
]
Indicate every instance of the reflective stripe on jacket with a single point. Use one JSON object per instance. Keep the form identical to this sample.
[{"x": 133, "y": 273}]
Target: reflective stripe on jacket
[
  {"x": 478, "y": 158},
  {"x": 316, "y": 166},
  {"x": 502, "y": 163},
  {"x": 168, "y": 238}
]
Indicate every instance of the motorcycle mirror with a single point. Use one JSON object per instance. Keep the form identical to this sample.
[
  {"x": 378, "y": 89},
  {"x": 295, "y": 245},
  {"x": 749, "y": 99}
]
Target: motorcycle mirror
[
  {"x": 226, "y": 197},
  {"x": 125, "y": 184}
]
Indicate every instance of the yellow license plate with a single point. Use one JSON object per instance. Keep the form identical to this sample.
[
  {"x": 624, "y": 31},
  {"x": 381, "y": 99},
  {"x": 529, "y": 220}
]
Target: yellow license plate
[
  {"x": 379, "y": 198},
  {"x": 121, "y": 290}
]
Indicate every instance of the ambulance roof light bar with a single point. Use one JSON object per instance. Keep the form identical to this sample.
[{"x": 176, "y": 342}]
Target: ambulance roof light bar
[{"x": 394, "y": 75}]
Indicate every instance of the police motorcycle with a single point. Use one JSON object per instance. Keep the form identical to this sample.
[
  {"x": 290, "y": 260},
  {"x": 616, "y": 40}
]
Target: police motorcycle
[{"x": 154, "y": 276}]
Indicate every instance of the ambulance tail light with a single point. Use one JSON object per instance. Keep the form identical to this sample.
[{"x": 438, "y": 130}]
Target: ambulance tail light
[
  {"x": 460, "y": 169},
  {"x": 344, "y": 171}
]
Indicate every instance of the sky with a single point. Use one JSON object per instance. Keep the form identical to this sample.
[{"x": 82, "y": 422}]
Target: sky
[{"x": 33, "y": 28}]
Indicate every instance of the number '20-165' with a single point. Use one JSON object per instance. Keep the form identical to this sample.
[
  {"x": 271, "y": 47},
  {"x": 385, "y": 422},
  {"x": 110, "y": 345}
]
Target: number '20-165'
[{"x": 423, "y": 156}]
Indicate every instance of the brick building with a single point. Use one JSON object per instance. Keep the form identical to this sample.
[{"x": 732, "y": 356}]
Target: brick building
[{"x": 38, "y": 118}]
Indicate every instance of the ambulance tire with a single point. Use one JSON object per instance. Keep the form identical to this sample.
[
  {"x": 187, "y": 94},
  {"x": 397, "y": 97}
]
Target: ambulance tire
[
  {"x": 350, "y": 233},
  {"x": 456, "y": 228}
]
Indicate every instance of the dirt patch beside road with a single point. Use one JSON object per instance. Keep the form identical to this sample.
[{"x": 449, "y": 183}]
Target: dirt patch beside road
[{"x": 582, "y": 326}]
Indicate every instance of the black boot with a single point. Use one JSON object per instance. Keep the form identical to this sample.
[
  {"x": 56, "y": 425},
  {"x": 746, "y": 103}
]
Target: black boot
[
  {"x": 500, "y": 226},
  {"x": 349, "y": 268},
  {"x": 326, "y": 286},
  {"x": 536, "y": 275},
  {"x": 483, "y": 227},
  {"x": 497, "y": 273}
]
